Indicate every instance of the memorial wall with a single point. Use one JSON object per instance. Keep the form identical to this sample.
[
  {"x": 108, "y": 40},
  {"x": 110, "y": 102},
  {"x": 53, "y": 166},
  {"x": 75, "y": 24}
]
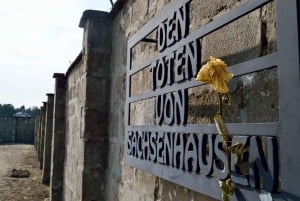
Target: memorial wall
[{"x": 131, "y": 123}]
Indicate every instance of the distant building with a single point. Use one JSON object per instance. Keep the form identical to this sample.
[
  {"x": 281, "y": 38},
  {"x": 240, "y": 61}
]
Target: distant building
[{"x": 22, "y": 114}]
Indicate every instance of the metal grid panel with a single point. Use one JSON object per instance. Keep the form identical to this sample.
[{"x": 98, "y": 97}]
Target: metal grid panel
[{"x": 287, "y": 130}]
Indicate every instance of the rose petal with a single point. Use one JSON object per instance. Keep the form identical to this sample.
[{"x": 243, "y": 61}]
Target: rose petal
[{"x": 215, "y": 73}]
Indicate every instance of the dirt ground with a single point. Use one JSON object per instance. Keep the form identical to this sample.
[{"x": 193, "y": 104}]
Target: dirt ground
[{"x": 20, "y": 189}]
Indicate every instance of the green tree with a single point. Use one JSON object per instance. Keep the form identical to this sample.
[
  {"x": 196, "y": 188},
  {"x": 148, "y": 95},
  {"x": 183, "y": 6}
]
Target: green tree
[{"x": 7, "y": 110}]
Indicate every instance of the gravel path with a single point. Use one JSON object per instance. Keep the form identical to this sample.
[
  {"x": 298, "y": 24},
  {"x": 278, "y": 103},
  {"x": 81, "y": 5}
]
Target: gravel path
[{"x": 20, "y": 189}]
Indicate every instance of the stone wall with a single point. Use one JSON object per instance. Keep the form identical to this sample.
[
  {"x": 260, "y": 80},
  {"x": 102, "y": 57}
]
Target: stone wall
[
  {"x": 48, "y": 139},
  {"x": 86, "y": 112},
  {"x": 88, "y": 152},
  {"x": 25, "y": 130},
  {"x": 74, "y": 142},
  {"x": 17, "y": 130},
  {"x": 249, "y": 37},
  {"x": 7, "y": 127},
  {"x": 58, "y": 139}
]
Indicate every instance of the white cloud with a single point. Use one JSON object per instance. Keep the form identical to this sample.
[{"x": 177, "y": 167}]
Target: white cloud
[{"x": 37, "y": 39}]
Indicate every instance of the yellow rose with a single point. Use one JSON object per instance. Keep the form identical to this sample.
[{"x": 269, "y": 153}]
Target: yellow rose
[{"x": 215, "y": 73}]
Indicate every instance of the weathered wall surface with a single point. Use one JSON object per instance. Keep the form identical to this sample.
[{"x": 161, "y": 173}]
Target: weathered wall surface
[
  {"x": 94, "y": 167},
  {"x": 48, "y": 139},
  {"x": 7, "y": 127},
  {"x": 249, "y": 37},
  {"x": 74, "y": 142},
  {"x": 25, "y": 130},
  {"x": 58, "y": 139},
  {"x": 17, "y": 130},
  {"x": 86, "y": 112}
]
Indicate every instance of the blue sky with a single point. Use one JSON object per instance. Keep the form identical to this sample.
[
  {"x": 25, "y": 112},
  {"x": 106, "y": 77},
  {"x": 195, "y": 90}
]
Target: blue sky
[{"x": 38, "y": 38}]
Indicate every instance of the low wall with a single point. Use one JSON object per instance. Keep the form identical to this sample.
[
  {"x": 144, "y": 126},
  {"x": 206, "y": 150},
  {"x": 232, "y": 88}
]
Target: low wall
[{"x": 17, "y": 130}]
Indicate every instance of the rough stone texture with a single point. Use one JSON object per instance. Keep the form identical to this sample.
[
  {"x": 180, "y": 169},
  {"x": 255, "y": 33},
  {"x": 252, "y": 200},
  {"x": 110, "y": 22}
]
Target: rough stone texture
[
  {"x": 141, "y": 82},
  {"x": 239, "y": 41},
  {"x": 203, "y": 105},
  {"x": 204, "y": 11},
  {"x": 17, "y": 130},
  {"x": 42, "y": 135},
  {"x": 116, "y": 111},
  {"x": 139, "y": 55},
  {"x": 86, "y": 111},
  {"x": 73, "y": 166},
  {"x": 8, "y": 129},
  {"x": 48, "y": 139},
  {"x": 142, "y": 112},
  {"x": 134, "y": 181},
  {"x": 250, "y": 37},
  {"x": 58, "y": 139},
  {"x": 94, "y": 166},
  {"x": 174, "y": 192},
  {"x": 36, "y": 130},
  {"x": 38, "y": 141},
  {"x": 96, "y": 106},
  {"x": 254, "y": 98},
  {"x": 268, "y": 17},
  {"x": 24, "y": 130},
  {"x": 246, "y": 92}
]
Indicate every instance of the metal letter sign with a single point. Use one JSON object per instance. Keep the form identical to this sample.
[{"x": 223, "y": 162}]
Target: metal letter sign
[{"x": 190, "y": 154}]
